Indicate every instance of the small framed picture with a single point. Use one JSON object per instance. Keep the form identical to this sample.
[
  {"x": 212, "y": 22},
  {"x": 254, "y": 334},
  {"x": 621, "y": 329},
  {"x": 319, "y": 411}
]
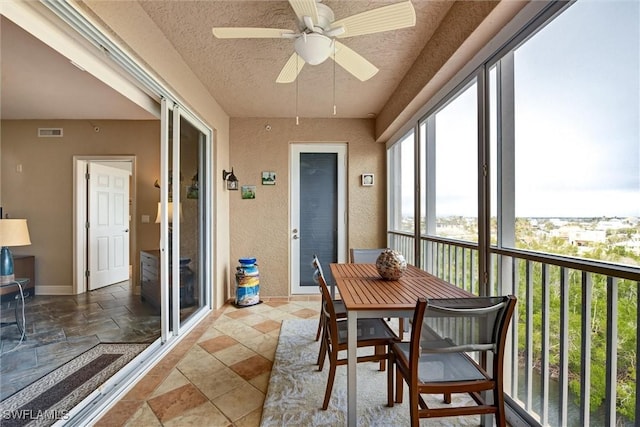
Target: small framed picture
[
  {"x": 367, "y": 179},
  {"x": 268, "y": 178},
  {"x": 248, "y": 192}
]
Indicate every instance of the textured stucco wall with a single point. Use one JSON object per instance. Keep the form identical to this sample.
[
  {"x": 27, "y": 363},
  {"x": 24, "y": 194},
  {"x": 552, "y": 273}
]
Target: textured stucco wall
[{"x": 260, "y": 227}]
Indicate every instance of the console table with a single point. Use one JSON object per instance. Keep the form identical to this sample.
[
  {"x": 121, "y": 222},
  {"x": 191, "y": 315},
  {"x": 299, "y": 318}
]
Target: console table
[
  {"x": 20, "y": 285},
  {"x": 23, "y": 266},
  {"x": 150, "y": 279}
]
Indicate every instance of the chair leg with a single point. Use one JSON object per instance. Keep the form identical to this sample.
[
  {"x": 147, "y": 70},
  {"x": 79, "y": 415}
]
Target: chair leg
[
  {"x": 401, "y": 328},
  {"x": 324, "y": 348},
  {"x": 498, "y": 401},
  {"x": 447, "y": 398},
  {"x": 390, "y": 384},
  {"x": 379, "y": 350},
  {"x": 414, "y": 408},
  {"x": 332, "y": 374},
  {"x": 399, "y": 386},
  {"x": 320, "y": 326}
]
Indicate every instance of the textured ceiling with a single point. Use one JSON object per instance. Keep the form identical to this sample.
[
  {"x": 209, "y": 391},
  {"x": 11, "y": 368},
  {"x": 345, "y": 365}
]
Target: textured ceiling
[{"x": 241, "y": 74}]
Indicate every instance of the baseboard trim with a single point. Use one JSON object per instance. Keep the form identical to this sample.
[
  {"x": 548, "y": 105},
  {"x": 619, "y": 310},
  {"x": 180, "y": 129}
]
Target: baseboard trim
[{"x": 54, "y": 290}]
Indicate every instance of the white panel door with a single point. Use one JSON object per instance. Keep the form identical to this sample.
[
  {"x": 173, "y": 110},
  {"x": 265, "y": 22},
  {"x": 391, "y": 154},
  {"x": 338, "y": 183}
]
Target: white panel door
[{"x": 108, "y": 229}]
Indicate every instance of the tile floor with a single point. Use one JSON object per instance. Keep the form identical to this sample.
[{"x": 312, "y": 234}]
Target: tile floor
[
  {"x": 59, "y": 328},
  {"x": 218, "y": 374}
]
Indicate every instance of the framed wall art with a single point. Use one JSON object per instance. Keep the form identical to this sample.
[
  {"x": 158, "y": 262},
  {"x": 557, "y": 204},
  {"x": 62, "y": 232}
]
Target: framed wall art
[
  {"x": 248, "y": 191},
  {"x": 367, "y": 179},
  {"x": 268, "y": 178}
]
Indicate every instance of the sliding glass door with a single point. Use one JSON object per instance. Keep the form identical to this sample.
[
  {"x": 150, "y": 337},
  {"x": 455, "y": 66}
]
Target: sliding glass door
[{"x": 185, "y": 167}]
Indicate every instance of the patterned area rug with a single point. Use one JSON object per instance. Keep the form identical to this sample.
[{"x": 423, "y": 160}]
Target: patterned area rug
[
  {"x": 52, "y": 397},
  {"x": 296, "y": 388}
]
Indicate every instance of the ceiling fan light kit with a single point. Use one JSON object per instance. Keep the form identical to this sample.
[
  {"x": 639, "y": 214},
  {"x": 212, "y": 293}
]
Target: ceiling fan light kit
[
  {"x": 315, "y": 42},
  {"x": 313, "y": 48}
]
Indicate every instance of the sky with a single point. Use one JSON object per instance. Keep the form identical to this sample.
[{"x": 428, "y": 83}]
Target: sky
[
  {"x": 577, "y": 128},
  {"x": 577, "y": 92}
]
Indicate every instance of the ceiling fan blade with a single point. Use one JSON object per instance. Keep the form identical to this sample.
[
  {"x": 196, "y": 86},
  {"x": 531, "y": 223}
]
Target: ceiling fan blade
[
  {"x": 354, "y": 63},
  {"x": 291, "y": 69},
  {"x": 250, "y": 33},
  {"x": 304, "y": 8},
  {"x": 386, "y": 18}
]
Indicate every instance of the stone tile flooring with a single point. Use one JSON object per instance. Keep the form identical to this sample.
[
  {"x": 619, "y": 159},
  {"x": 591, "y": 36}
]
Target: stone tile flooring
[
  {"x": 59, "y": 328},
  {"x": 218, "y": 374}
]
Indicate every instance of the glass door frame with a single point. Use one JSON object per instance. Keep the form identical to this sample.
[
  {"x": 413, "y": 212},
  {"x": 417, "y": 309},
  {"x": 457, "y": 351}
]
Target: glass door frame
[{"x": 170, "y": 319}]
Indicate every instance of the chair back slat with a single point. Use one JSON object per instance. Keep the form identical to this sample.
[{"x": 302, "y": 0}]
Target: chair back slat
[
  {"x": 468, "y": 324},
  {"x": 327, "y": 302},
  {"x": 365, "y": 256}
]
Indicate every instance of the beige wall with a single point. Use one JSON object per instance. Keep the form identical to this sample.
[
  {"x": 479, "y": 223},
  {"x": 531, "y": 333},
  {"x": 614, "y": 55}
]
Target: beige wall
[
  {"x": 43, "y": 191},
  {"x": 129, "y": 22},
  {"x": 260, "y": 227}
]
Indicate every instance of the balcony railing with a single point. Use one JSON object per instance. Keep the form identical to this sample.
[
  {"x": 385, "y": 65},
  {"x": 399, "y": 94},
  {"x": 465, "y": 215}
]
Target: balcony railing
[{"x": 574, "y": 350}]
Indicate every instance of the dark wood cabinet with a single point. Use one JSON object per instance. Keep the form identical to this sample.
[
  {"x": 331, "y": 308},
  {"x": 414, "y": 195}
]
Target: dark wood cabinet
[
  {"x": 150, "y": 279},
  {"x": 24, "y": 268}
]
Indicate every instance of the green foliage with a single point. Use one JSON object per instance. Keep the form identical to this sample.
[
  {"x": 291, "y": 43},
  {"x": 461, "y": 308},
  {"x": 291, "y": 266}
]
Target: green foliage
[{"x": 596, "y": 320}]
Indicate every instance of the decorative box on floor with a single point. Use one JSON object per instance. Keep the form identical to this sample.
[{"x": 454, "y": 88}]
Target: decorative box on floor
[{"x": 247, "y": 283}]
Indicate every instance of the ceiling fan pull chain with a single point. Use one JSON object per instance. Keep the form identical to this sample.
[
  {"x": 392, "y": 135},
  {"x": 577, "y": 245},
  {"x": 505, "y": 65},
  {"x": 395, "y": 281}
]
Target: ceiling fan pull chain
[
  {"x": 334, "y": 79},
  {"x": 297, "y": 69}
]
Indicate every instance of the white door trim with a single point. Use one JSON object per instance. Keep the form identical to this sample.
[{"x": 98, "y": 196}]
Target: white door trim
[
  {"x": 294, "y": 246},
  {"x": 80, "y": 216}
]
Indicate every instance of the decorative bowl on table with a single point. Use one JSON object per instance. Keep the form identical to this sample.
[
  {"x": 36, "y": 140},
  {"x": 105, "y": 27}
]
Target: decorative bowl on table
[{"x": 391, "y": 264}]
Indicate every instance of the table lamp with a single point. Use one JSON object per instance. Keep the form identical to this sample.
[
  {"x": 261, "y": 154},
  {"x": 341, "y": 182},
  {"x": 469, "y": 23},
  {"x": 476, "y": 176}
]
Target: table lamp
[
  {"x": 13, "y": 232},
  {"x": 170, "y": 215},
  {"x": 169, "y": 212}
]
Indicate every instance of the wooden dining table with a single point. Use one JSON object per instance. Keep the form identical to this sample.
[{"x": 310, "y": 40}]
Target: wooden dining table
[{"x": 367, "y": 295}]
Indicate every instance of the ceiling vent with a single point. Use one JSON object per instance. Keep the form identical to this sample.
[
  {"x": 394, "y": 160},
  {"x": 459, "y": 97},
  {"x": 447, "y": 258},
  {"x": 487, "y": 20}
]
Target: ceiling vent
[{"x": 49, "y": 132}]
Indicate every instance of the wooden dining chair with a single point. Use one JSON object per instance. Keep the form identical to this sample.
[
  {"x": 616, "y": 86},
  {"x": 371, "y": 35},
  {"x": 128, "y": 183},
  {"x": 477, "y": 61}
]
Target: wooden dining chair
[
  {"x": 370, "y": 256},
  {"x": 373, "y": 333},
  {"x": 451, "y": 341},
  {"x": 338, "y": 305}
]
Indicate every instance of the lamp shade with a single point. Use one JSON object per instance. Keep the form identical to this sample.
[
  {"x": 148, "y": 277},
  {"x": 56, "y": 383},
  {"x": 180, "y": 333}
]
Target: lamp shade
[
  {"x": 14, "y": 232},
  {"x": 170, "y": 213}
]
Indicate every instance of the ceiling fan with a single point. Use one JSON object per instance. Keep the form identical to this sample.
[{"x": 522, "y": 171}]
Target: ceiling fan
[{"x": 316, "y": 39}]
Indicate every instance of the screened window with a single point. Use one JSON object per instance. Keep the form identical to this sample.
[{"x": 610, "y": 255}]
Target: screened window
[
  {"x": 450, "y": 167},
  {"x": 401, "y": 159},
  {"x": 576, "y": 134}
]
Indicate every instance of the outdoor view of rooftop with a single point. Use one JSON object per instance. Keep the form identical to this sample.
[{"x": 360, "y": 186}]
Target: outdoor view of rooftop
[{"x": 615, "y": 240}]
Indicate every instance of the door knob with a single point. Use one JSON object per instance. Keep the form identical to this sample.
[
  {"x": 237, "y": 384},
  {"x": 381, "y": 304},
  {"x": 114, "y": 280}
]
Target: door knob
[{"x": 296, "y": 237}]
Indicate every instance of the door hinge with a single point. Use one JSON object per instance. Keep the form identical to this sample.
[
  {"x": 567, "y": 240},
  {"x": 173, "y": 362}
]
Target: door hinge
[
  {"x": 86, "y": 176},
  {"x": 86, "y": 273},
  {"x": 86, "y": 225}
]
